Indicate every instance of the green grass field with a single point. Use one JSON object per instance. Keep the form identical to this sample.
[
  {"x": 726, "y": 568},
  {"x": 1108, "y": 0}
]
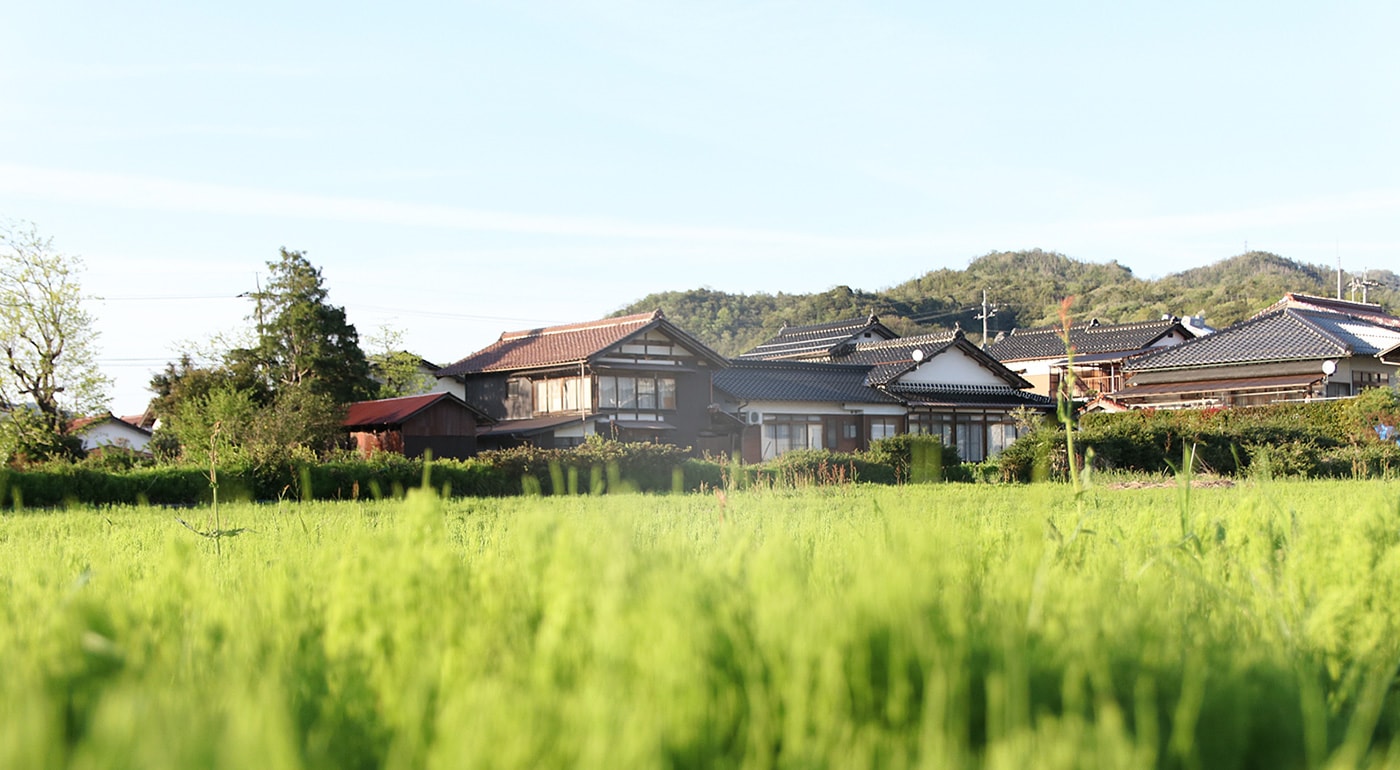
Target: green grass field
[{"x": 928, "y": 626}]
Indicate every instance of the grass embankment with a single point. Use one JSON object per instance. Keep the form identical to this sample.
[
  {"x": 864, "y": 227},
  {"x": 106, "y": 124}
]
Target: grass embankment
[{"x": 942, "y": 626}]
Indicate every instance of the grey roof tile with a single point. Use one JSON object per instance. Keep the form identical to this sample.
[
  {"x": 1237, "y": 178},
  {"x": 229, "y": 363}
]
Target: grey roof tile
[
  {"x": 1282, "y": 335},
  {"x": 798, "y": 381},
  {"x": 1090, "y": 337},
  {"x": 816, "y": 340}
]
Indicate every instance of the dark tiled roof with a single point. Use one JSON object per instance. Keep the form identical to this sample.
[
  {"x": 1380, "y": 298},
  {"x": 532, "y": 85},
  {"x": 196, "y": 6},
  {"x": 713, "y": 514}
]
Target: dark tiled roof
[
  {"x": 1283, "y": 335},
  {"x": 815, "y": 340},
  {"x": 889, "y": 359},
  {"x": 397, "y": 411},
  {"x": 797, "y": 381},
  {"x": 1090, "y": 337},
  {"x": 567, "y": 344},
  {"x": 1365, "y": 310},
  {"x": 972, "y": 395}
]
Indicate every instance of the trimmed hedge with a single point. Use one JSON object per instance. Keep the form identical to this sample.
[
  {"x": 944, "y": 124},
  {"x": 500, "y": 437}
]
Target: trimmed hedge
[
  {"x": 1329, "y": 438},
  {"x": 594, "y": 467}
]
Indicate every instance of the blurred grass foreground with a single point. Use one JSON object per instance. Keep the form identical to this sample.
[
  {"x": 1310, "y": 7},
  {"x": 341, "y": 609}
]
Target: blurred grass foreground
[{"x": 885, "y": 627}]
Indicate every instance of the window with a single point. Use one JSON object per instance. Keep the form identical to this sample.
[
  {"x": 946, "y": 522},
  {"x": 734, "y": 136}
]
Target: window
[
  {"x": 786, "y": 432},
  {"x": 644, "y": 392},
  {"x": 931, "y": 424},
  {"x": 560, "y": 395},
  {"x": 520, "y": 402},
  {"x": 969, "y": 434},
  {"x": 666, "y": 393},
  {"x": 883, "y": 427},
  {"x": 626, "y": 393},
  {"x": 999, "y": 437},
  {"x": 1362, "y": 380}
]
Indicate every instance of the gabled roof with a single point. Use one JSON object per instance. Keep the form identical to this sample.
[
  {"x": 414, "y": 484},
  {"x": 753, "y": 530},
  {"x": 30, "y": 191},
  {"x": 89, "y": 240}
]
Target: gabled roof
[
  {"x": 1364, "y": 310},
  {"x": 82, "y": 424},
  {"x": 817, "y": 340},
  {"x": 1288, "y": 334},
  {"x": 891, "y": 359},
  {"x": 568, "y": 344},
  {"x": 1090, "y": 337},
  {"x": 397, "y": 411},
  {"x": 798, "y": 381}
]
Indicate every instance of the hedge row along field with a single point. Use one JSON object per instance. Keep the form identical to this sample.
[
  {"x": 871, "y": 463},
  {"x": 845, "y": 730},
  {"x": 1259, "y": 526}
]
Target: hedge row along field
[
  {"x": 594, "y": 467},
  {"x": 949, "y": 626},
  {"x": 1345, "y": 438}
]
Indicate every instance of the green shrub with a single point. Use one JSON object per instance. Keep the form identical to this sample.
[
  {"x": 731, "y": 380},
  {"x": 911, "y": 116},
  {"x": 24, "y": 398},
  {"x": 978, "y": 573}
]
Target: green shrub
[
  {"x": 1329, "y": 438},
  {"x": 914, "y": 457},
  {"x": 599, "y": 465},
  {"x": 1299, "y": 459},
  {"x": 805, "y": 467}
]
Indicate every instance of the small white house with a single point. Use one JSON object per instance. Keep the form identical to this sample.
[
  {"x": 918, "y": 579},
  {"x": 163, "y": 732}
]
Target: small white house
[{"x": 109, "y": 431}]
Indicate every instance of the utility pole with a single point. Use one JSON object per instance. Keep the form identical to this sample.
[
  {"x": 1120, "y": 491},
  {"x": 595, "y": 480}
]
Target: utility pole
[
  {"x": 987, "y": 312},
  {"x": 1339, "y": 269}
]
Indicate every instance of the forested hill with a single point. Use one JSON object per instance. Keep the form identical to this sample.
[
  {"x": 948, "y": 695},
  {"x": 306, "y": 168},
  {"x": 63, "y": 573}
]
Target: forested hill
[{"x": 1025, "y": 286}]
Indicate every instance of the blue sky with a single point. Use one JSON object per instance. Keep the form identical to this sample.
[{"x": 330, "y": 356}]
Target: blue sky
[{"x": 461, "y": 169}]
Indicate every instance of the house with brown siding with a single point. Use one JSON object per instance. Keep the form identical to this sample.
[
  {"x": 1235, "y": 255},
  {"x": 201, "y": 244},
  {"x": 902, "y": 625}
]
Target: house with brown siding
[
  {"x": 440, "y": 423},
  {"x": 632, "y": 378}
]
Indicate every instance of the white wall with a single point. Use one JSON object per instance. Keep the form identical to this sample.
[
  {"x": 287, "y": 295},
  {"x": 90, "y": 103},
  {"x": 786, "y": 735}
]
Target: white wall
[
  {"x": 114, "y": 433},
  {"x": 951, "y": 367}
]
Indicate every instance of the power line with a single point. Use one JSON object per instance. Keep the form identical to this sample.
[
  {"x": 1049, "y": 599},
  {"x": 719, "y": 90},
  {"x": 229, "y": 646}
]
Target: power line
[
  {"x": 159, "y": 299},
  {"x": 454, "y": 316}
]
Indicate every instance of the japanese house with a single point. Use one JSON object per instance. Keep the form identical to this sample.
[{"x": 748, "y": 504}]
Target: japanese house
[
  {"x": 1291, "y": 352},
  {"x": 862, "y": 391},
  {"x": 1100, "y": 351},
  {"x": 632, "y": 378}
]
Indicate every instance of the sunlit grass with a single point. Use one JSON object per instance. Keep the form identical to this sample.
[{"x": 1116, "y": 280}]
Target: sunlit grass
[{"x": 920, "y": 626}]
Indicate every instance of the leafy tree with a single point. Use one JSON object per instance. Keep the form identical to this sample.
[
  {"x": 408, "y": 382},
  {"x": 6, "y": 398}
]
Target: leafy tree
[
  {"x": 398, "y": 372},
  {"x": 303, "y": 341},
  {"x": 283, "y": 391},
  {"x": 48, "y": 343}
]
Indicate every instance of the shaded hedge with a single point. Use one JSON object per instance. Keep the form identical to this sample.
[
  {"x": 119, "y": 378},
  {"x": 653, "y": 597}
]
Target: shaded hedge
[
  {"x": 1321, "y": 439},
  {"x": 385, "y": 475},
  {"x": 599, "y": 466},
  {"x": 595, "y": 467}
]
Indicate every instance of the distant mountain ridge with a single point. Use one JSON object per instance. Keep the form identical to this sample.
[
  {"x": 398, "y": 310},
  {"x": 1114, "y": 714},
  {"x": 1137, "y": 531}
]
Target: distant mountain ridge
[{"x": 1026, "y": 288}]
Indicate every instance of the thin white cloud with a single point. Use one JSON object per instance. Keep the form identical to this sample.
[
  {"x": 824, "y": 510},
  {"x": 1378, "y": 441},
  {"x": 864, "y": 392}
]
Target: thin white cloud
[
  {"x": 139, "y": 192},
  {"x": 1359, "y": 213}
]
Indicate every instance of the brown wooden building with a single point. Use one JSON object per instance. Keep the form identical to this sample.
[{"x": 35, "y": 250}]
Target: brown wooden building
[
  {"x": 438, "y": 422},
  {"x": 632, "y": 378}
]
